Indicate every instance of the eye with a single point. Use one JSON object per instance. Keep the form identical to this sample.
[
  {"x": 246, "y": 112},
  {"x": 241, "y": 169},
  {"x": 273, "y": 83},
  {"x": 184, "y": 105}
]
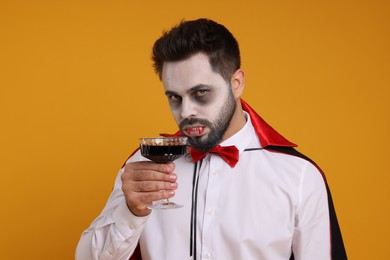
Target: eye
[
  {"x": 201, "y": 92},
  {"x": 174, "y": 98}
]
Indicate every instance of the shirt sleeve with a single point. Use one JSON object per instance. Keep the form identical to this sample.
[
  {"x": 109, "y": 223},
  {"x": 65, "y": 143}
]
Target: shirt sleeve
[
  {"x": 312, "y": 228},
  {"x": 114, "y": 234}
]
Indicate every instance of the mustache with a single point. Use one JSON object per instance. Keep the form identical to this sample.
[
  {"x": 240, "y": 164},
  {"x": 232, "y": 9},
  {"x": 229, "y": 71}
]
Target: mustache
[{"x": 194, "y": 121}]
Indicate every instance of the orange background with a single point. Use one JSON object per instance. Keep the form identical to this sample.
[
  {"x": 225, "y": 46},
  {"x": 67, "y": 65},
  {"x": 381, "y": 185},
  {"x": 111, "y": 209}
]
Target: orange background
[{"x": 77, "y": 90}]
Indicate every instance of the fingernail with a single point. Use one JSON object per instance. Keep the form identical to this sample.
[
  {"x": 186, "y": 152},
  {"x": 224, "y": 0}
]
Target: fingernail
[{"x": 172, "y": 177}]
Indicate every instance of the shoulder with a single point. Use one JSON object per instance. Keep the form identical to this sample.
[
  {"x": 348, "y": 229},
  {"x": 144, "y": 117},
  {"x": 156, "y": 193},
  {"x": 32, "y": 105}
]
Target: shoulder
[
  {"x": 285, "y": 162},
  {"x": 283, "y": 157}
]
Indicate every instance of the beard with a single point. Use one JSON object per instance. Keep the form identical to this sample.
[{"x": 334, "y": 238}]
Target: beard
[{"x": 217, "y": 129}]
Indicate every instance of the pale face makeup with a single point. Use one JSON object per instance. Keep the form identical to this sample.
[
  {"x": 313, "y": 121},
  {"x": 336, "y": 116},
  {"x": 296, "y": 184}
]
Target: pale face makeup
[{"x": 200, "y": 100}]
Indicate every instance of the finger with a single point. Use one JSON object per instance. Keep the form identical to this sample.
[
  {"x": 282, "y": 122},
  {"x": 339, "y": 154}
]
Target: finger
[
  {"x": 141, "y": 200},
  {"x": 147, "y": 165},
  {"x": 147, "y": 174},
  {"x": 147, "y": 198},
  {"x": 149, "y": 186}
]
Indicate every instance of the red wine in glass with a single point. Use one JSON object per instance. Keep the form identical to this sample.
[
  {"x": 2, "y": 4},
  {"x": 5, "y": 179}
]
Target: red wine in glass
[{"x": 163, "y": 150}]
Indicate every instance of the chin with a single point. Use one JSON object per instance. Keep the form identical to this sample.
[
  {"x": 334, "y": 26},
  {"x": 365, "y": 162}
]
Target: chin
[{"x": 203, "y": 143}]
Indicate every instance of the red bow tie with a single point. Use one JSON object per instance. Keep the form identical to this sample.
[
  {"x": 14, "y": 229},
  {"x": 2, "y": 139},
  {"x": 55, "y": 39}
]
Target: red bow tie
[{"x": 228, "y": 153}]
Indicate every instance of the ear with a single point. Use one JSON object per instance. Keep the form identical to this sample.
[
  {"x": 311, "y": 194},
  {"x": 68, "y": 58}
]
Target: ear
[{"x": 237, "y": 82}]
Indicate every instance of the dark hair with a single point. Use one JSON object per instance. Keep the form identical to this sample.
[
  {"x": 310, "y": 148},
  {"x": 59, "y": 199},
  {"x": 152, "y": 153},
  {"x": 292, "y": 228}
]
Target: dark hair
[{"x": 202, "y": 35}]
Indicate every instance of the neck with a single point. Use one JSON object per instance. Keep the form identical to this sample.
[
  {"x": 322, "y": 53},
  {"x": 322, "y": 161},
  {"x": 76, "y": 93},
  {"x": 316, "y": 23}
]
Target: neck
[{"x": 237, "y": 123}]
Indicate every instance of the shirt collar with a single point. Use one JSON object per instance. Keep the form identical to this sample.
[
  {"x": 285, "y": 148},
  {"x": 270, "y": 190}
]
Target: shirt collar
[{"x": 246, "y": 137}]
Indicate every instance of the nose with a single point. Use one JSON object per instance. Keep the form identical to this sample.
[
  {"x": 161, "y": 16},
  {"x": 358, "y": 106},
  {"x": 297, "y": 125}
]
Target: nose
[{"x": 188, "y": 109}]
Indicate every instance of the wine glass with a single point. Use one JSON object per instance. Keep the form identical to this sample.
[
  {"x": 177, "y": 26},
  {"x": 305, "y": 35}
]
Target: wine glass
[{"x": 163, "y": 150}]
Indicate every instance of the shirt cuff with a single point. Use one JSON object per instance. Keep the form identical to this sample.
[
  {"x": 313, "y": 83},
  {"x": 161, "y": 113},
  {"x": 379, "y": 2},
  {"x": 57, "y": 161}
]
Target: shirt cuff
[{"x": 126, "y": 222}]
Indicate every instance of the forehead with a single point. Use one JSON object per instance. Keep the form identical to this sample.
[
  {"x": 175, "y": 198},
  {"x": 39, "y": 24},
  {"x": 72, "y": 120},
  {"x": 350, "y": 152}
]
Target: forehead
[{"x": 193, "y": 71}]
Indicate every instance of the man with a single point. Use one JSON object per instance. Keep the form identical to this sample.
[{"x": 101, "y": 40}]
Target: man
[{"x": 260, "y": 200}]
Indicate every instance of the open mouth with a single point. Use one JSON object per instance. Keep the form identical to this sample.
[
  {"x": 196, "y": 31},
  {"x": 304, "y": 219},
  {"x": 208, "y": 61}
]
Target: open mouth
[{"x": 194, "y": 130}]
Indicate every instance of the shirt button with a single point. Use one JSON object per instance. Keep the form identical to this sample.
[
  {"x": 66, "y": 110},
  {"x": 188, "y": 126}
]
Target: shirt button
[
  {"x": 132, "y": 226},
  {"x": 215, "y": 173},
  {"x": 207, "y": 255}
]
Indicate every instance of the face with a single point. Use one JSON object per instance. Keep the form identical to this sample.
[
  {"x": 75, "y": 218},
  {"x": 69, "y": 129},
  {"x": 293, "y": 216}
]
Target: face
[{"x": 201, "y": 101}]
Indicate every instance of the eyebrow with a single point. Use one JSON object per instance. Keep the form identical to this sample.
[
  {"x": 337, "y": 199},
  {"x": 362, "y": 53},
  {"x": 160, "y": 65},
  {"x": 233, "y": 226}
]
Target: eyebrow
[{"x": 194, "y": 88}]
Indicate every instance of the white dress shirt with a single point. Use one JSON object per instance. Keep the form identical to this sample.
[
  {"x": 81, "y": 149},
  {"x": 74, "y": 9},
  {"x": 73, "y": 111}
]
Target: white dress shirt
[{"x": 266, "y": 207}]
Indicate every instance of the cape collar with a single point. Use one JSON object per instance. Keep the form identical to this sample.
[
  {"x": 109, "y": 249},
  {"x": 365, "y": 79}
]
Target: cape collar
[{"x": 267, "y": 135}]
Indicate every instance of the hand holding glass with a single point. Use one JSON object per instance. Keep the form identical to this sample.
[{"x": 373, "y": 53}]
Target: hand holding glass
[{"x": 163, "y": 150}]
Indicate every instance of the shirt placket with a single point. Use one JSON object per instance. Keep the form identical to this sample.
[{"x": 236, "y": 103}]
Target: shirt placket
[{"x": 210, "y": 210}]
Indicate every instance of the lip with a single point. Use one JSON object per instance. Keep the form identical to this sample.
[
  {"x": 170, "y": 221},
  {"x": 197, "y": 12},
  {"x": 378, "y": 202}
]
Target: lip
[{"x": 194, "y": 130}]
